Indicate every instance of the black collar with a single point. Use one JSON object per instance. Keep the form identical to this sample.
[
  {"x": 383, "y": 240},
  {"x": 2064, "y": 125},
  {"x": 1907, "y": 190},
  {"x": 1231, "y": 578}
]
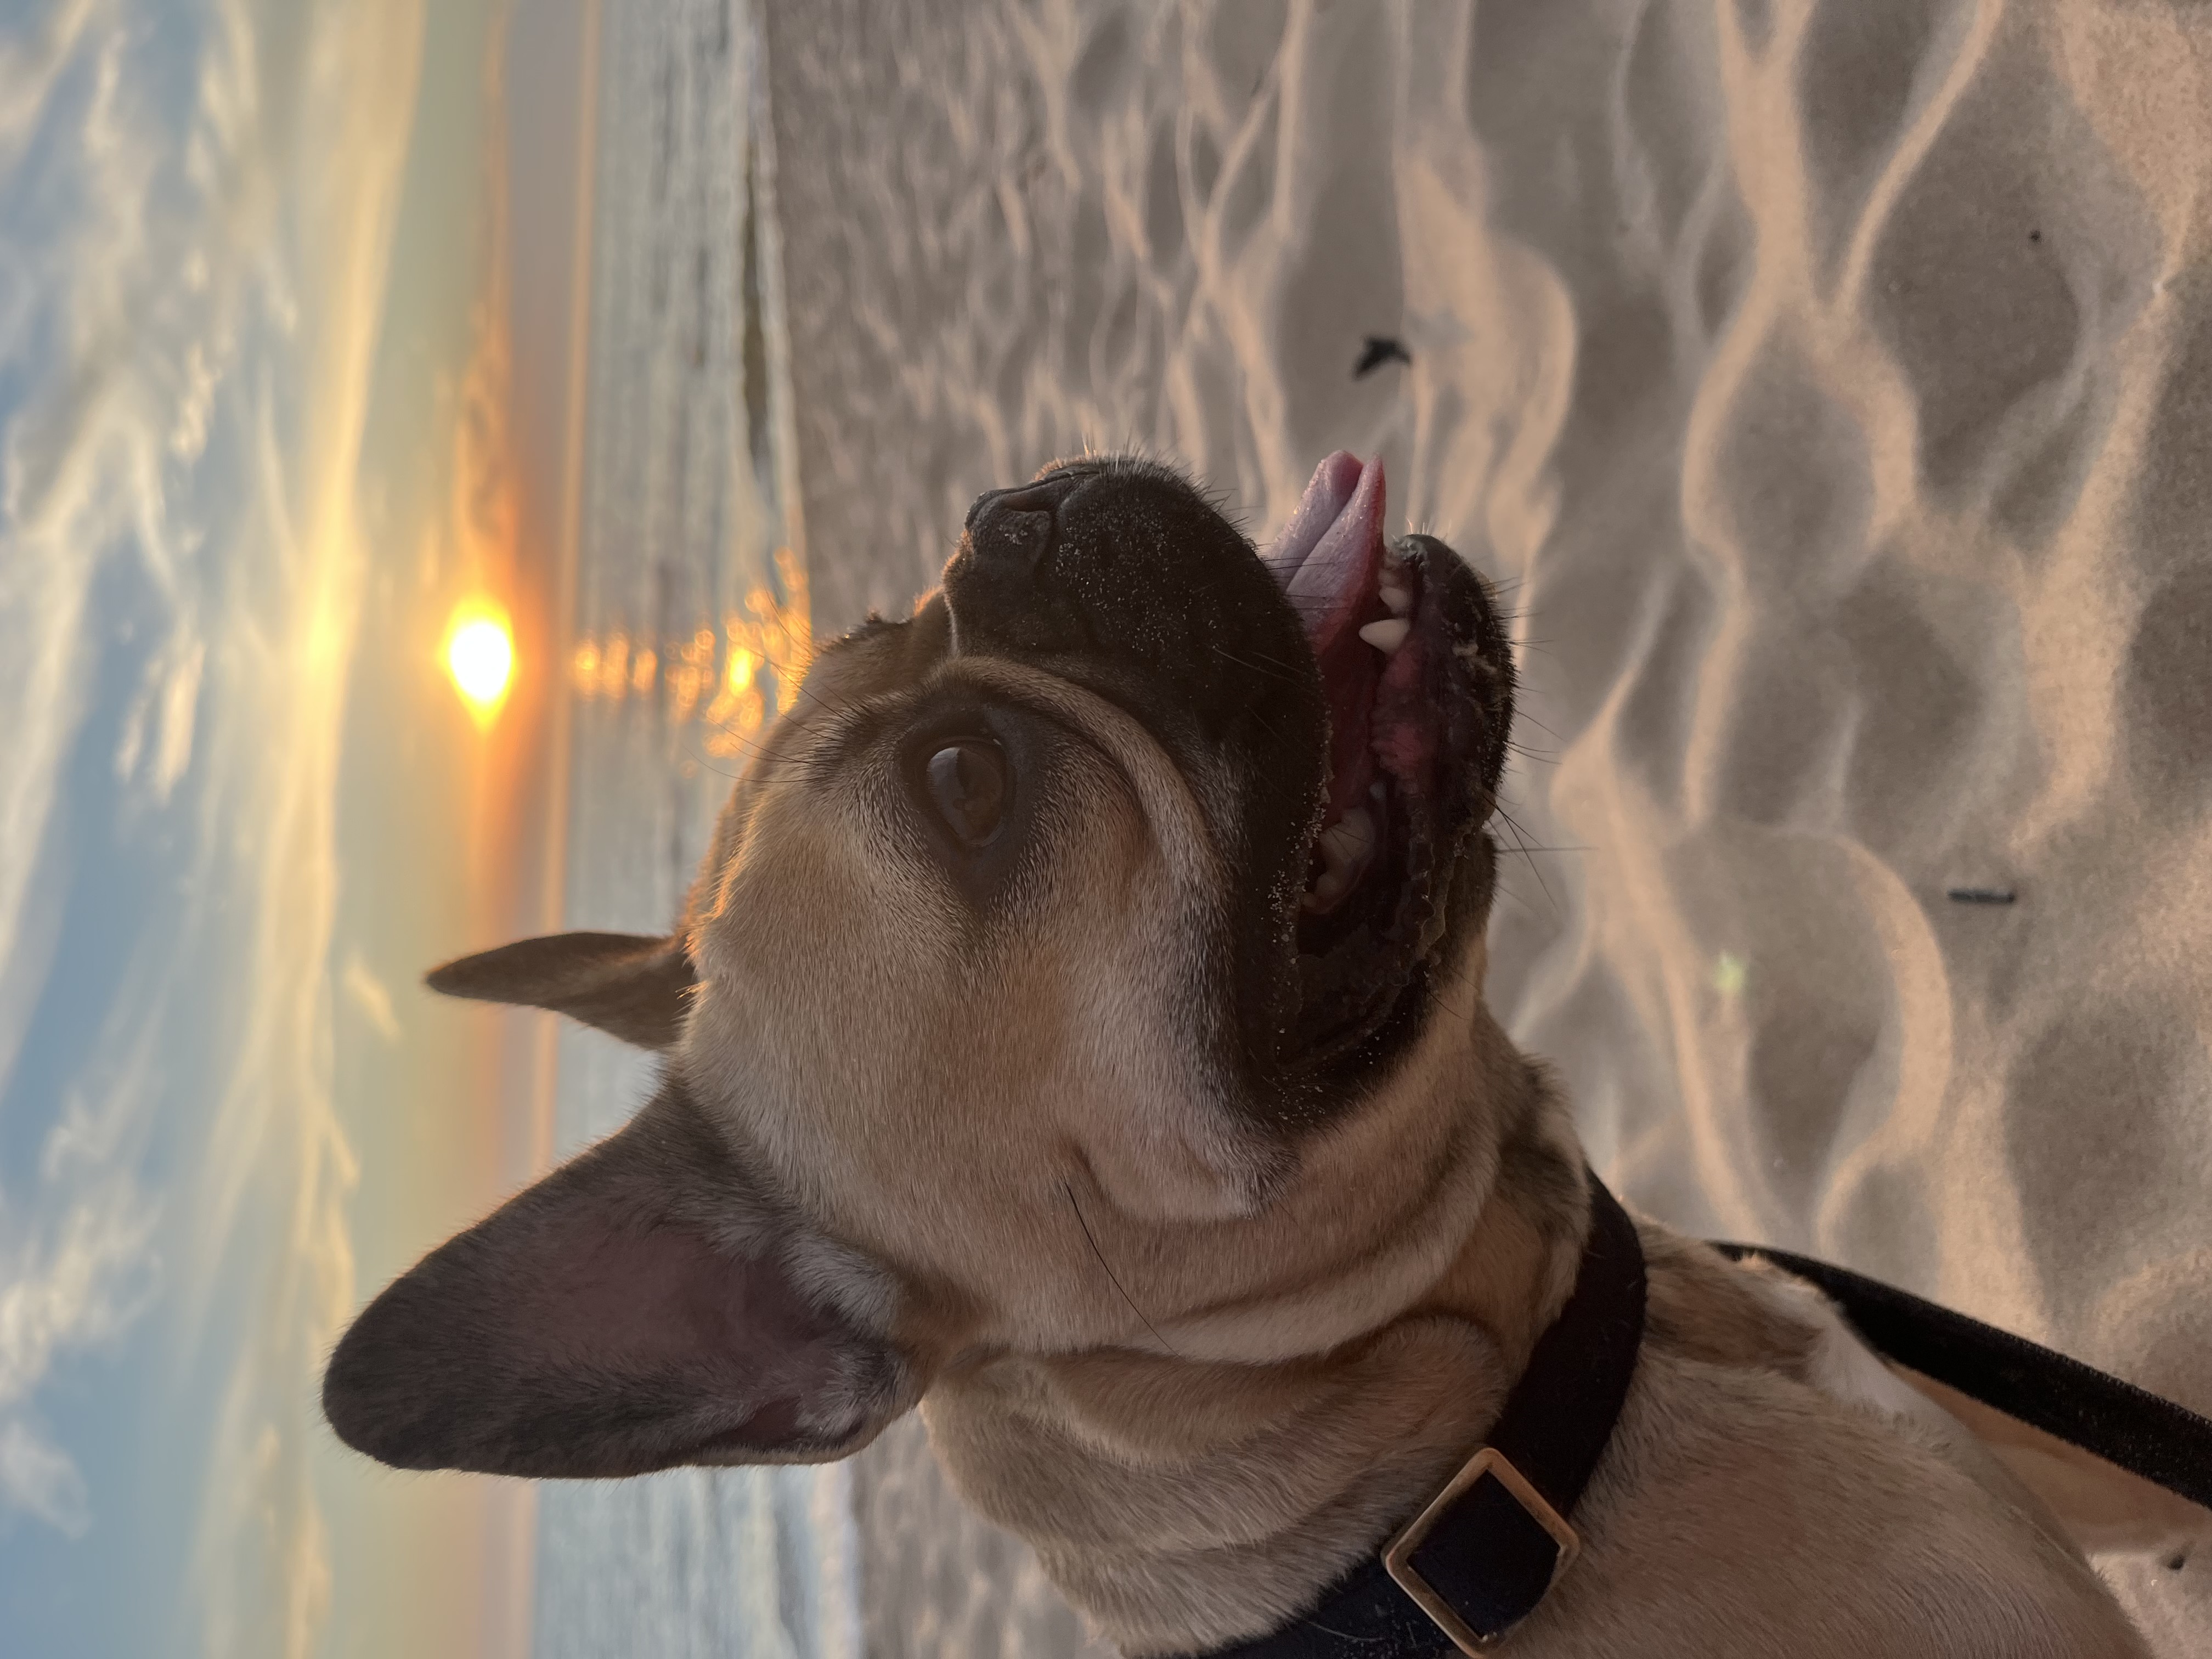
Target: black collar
[
  {"x": 1485, "y": 1552},
  {"x": 1480, "y": 1557}
]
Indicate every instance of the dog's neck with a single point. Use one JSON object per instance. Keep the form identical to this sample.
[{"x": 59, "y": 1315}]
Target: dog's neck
[{"x": 1182, "y": 1502}]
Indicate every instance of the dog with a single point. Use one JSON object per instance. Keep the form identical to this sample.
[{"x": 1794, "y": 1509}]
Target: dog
[{"x": 1076, "y": 1030}]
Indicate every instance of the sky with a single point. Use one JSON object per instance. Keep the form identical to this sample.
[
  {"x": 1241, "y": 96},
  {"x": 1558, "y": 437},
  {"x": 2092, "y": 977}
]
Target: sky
[{"x": 285, "y": 341}]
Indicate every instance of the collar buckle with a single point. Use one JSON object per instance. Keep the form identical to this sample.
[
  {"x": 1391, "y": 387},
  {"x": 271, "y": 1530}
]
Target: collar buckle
[{"x": 1398, "y": 1558}]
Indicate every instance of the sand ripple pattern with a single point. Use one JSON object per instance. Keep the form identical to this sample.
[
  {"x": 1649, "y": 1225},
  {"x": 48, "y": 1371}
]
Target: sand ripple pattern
[{"x": 1831, "y": 385}]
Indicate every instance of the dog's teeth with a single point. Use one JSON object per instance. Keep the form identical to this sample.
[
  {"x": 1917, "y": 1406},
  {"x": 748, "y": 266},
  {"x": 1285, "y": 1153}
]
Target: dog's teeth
[
  {"x": 1327, "y": 888},
  {"x": 1398, "y": 599},
  {"x": 1344, "y": 848},
  {"x": 1388, "y": 635},
  {"x": 1349, "y": 837}
]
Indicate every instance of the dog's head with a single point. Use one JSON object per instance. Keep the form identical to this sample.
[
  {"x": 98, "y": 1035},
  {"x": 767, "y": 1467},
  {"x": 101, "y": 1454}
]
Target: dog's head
[{"x": 1041, "y": 943}]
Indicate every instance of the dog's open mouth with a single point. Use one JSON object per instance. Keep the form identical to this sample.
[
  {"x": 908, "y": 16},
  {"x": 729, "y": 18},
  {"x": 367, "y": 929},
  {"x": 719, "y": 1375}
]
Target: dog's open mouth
[{"x": 1417, "y": 677}]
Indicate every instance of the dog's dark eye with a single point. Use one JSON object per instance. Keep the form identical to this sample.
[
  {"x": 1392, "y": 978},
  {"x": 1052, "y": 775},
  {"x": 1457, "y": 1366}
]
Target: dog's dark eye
[{"x": 968, "y": 787}]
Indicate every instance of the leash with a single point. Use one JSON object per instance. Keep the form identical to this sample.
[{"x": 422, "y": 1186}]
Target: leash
[
  {"x": 1488, "y": 1549},
  {"x": 2165, "y": 1443}
]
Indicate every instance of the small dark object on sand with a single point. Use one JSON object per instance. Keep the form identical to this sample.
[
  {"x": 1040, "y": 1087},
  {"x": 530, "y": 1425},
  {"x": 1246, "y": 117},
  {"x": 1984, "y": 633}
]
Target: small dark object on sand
[
  {"x": 1380, "y": 350},
  {"x": 1982, "y": 894}
]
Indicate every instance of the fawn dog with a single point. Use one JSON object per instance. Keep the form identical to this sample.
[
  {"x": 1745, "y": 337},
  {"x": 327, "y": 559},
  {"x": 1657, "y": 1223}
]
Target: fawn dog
[{"x": 1076, "y": 1029}]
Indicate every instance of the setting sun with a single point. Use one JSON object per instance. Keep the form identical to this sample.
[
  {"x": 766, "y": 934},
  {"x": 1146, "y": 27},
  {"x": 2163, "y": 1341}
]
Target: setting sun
[{"x": 480, "y": 656}]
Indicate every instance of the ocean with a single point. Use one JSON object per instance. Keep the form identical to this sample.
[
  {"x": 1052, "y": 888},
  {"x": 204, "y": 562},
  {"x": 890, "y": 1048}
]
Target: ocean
[{"x": 690, "y": 611}]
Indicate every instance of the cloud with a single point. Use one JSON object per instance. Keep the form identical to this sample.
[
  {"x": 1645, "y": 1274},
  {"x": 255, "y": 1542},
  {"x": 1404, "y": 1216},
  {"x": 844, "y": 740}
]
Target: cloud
[
  {"x": 37, "y": 1476},
  {"x": 166, "y": 702},
  {"x": 72, "y": 1286},
  {"x": 369, "y": 996},
  {"x": 72, "y": 1289},
  {"x": 197, "y": 208}
]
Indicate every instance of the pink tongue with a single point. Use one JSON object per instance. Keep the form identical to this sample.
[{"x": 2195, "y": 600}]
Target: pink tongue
[
  {"x": 1334, "y": 481},
  {"x": 1330, "y": 560},
  {"x": 1335, "y": 538},
  {"x": 1338, "y": 579}
]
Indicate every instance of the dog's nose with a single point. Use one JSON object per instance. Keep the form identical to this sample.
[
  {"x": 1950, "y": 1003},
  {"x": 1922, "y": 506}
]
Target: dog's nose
[
  {"x": 1011, "y": 530},
  {"x": 1104, "y": 558}
]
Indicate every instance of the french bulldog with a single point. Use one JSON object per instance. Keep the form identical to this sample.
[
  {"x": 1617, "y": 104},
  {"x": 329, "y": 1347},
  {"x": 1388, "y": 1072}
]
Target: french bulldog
[{"x": 1076, "y": 1030}]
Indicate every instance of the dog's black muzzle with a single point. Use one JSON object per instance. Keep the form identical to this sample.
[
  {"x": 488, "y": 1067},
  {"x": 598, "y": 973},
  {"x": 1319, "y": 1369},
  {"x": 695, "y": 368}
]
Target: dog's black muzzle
[{"x": 1118, "y": 574}]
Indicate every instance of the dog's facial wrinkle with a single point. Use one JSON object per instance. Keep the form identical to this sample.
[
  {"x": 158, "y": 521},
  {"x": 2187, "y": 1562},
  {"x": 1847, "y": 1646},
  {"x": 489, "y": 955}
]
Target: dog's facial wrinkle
[
  {"x": 1354, "y": 699},
  {"x": 1121, "y": 578}
]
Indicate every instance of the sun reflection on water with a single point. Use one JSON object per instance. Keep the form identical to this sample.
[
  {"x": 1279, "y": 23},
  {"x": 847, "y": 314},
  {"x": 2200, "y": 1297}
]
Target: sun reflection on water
[{"x": 731, "y": 682}]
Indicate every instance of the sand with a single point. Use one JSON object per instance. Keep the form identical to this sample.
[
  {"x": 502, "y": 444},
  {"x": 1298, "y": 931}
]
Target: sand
[{"x": 1831, "y": 387}]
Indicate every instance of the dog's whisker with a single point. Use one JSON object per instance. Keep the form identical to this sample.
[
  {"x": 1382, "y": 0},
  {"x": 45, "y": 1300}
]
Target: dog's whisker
[
  {"x": 1068, "y": 1188},
  {"x": 1521, "y": 846},
  {"x": 1278, "y": 671},
  {"x": 1531, "y": 753}
]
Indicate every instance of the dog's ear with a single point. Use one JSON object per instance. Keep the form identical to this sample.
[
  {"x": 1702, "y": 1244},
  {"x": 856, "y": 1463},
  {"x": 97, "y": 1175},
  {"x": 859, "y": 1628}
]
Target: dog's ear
[
  {"x": 643, "y": 1306},
  {"x": 632, "y": 986}
]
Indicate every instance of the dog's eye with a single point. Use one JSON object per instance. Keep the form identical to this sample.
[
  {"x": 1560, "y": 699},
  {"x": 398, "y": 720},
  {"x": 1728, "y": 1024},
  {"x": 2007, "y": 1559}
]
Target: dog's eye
[{"x": 968, "y": 787}]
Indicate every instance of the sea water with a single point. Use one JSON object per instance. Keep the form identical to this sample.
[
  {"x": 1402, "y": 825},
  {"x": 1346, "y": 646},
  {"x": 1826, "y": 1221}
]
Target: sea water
[{"x": 690, "y": 616}]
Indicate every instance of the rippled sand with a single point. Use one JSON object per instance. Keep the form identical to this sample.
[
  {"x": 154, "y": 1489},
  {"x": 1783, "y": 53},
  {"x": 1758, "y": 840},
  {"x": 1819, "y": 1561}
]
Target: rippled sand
[{"x": 1830, "y": 385}]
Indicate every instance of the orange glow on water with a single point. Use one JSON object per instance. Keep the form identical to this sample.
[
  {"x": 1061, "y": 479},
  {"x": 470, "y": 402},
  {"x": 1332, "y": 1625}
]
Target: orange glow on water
[{"x": 763, "y": 646}]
